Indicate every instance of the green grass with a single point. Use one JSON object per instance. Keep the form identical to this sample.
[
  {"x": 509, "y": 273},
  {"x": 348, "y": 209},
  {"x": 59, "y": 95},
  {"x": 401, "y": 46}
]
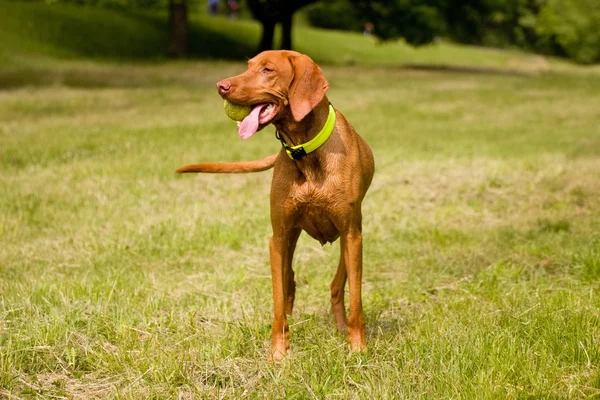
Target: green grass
[{"x": 119, "y": 279}]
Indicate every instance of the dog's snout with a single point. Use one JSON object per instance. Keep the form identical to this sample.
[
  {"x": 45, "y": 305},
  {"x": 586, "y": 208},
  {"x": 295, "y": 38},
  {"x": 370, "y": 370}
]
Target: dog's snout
[{"x": 224, "y": 86}]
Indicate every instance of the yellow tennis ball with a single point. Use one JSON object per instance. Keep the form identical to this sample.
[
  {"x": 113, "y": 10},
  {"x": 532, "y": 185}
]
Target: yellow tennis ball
[{"x": 236, "y": 112}]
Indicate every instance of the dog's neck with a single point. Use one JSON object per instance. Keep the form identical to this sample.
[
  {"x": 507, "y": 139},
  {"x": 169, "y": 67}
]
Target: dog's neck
[{"x": 296, "y": 133}]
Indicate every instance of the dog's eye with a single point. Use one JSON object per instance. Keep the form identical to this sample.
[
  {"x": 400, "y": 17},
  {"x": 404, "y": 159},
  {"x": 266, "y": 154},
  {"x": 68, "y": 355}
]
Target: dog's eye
[{"x": 266, "y": 70}]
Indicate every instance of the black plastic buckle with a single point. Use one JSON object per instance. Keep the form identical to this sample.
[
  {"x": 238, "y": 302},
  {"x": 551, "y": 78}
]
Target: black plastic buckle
[{"x": 298, "y": 153}]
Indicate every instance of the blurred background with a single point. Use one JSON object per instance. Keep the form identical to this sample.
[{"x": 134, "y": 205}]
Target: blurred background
[{"x": 334, "y": 31}]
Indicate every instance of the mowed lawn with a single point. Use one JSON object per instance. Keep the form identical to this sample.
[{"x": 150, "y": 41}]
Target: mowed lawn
[{"x": 120, "y": 279}]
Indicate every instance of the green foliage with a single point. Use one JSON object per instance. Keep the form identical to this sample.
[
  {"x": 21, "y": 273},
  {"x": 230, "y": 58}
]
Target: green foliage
[
  {"x": 336, "y": 14},
  {"x": 556, "y": 27},
  {"x": 417, "y": 21},
  {"x": 573, "y": 25}
]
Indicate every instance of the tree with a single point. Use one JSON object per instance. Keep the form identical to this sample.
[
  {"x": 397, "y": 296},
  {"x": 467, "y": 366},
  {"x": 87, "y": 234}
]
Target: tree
[
  {"x": 178, "y": 29},
  {"x": 271, "y": 12},
  {"x": 556, "y": 27},
  {"x": 417, "y": 21}
]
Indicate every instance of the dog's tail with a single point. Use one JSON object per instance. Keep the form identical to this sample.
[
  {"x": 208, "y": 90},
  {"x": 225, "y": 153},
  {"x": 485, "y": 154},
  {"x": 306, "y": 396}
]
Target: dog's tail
[{"x": 231, "y": 168}]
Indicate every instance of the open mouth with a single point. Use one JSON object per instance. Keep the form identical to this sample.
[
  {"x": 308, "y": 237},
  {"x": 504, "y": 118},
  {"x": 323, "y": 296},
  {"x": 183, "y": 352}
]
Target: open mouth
[{"x": 260, "y": 116}]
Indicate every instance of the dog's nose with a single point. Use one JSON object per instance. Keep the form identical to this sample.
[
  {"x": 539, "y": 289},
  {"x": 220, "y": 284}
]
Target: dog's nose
[{"x": 224, "y": 86}]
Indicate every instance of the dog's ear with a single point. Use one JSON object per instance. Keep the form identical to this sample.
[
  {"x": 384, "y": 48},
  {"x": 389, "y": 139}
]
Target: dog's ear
[{"x": 308, "y": 86}]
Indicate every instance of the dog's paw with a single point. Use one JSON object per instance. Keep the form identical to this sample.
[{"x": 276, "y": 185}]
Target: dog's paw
[
  {"x": 279, "y": 352},
  {"x": 357, "y": 341}
]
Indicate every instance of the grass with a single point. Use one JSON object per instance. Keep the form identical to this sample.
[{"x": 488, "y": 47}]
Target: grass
[{"x": 119, "y": 279}]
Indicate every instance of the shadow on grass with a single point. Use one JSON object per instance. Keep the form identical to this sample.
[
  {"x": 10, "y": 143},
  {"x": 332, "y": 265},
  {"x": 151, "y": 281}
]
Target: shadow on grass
[
  {"x": 115, "y": 76},
  {"x": 467, "y": 70}
]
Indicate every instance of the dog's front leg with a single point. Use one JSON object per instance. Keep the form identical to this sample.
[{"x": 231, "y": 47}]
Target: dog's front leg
[
  {"x": 337, "y": 295},
  {"x": 278, "y": 248},
  {"x": 290, "y": 286},
  {"x": 351, "y": 243}
]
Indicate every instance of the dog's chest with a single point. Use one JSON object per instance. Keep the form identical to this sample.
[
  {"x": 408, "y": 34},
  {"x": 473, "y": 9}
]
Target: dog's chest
[{"x": 314, "y": 209}]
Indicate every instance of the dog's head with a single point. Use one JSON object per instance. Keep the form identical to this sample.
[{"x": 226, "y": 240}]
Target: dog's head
[{"x": 277, "y": 84}]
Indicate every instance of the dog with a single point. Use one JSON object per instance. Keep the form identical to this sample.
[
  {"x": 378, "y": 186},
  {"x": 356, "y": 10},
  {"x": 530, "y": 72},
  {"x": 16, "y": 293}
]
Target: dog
[{"x": 320, "y": 178}]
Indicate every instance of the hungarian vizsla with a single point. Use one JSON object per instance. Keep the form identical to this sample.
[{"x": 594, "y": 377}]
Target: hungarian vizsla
[{"x": 320, "y": 178}]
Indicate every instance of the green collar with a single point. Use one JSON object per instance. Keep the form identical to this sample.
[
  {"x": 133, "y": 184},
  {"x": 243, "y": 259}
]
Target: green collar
[{"x": 297, "y": 152}]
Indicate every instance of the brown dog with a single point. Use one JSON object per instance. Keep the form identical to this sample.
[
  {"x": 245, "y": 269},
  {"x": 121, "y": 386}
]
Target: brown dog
[{"x": 320, "y": 179}]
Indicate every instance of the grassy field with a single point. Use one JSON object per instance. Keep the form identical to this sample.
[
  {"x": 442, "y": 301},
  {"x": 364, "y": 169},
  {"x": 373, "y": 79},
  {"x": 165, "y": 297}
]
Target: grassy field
[{"x": 119, "y": 279}]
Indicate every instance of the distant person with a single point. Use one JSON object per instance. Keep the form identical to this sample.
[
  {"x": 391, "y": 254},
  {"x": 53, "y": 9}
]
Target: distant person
[
  {"x": 369, "y": 27},
  {"x": 213, "y": 7},
  {"x": 234, "y": 7}
]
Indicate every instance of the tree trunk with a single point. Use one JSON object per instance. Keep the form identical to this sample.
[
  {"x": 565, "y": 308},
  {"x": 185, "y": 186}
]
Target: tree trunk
[
  {"x": 266, "y": 42},
  {"x": 178, "y": 29},
  {"x": 286, "y": 32}
]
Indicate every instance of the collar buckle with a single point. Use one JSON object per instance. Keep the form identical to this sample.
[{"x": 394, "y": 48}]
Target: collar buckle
[{"x": 297, "y": 153}]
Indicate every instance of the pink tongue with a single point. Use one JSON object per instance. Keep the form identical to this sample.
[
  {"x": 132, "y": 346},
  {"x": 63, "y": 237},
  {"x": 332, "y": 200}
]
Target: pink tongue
[{"x": 249, "y": 125}]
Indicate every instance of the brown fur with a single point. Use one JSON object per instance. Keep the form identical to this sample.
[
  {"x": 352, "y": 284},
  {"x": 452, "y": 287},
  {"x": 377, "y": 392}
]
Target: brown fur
[{"x": 321, "y": 194}]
